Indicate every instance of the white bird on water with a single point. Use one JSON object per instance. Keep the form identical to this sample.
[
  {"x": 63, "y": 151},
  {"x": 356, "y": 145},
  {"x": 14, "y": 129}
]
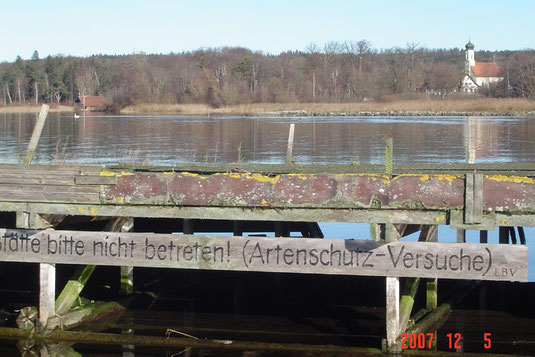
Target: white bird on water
[{"x": 76, "y": 116}]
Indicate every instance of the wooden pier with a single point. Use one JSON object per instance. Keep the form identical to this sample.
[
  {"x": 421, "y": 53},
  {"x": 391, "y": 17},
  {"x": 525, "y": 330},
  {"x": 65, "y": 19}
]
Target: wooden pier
[{"x": 45, "y": 212}]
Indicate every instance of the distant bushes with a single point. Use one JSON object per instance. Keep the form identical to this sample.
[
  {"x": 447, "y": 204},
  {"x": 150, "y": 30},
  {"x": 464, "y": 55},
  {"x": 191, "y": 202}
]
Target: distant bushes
[{"x": 349, "y": 72}]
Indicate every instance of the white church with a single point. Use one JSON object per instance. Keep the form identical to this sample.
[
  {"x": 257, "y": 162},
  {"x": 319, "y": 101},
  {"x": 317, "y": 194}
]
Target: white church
[{"x": 478, "y": 74}]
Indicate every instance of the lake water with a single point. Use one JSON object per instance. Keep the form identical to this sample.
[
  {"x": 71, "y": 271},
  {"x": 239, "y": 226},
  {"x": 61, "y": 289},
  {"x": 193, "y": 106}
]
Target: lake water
[
  {"x": 175, "y": 139},
  {"x": 172, "y": 139}
]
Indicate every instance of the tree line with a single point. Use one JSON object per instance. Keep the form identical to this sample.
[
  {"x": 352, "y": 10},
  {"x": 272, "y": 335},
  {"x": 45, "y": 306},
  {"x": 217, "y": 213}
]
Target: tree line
[{"x": 348, "y": 71}]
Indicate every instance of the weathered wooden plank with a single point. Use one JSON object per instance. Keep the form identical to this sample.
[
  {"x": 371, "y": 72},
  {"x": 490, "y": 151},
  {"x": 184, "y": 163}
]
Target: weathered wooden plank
[
  {"x": 244, "y": 214},
  {"x": 293, "y": 255},
  {"x": 288, "y": 190},
  {"x": 95, "y": 180},
  {"x": 33, "y": 179},
  {"x": 49, "y": 193},
  {"x": 473, "y": 198},
  {"x": 50, "y": 169},
  {"x": 488, "y": 221},
  {"x": 520, "y": 169}
]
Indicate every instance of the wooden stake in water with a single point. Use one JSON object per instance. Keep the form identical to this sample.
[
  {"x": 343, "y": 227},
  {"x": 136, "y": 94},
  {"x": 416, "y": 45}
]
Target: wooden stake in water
[
  {"x": 389, "y": 153},
  {"x": 289, "y": 151},
  {"x": 37, "y": 130}
]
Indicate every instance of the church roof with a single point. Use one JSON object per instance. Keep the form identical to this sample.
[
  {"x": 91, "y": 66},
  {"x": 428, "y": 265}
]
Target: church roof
[
  {"x": 486, "y": 69},
  {"x": 469, "y": 46}
]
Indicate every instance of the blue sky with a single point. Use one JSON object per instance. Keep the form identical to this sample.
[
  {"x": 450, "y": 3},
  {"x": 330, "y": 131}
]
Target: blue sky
[{"x": 161, "y": 26}]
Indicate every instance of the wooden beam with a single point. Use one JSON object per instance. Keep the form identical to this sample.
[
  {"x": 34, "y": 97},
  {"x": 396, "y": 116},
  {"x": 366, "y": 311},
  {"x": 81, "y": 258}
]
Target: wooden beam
[
  {"x": 73, "y": 288},
  {"x": 127, "y": 272},
  {"x": 392, "y": 315},
  {"x": 429, "y": 233},
  {"x": 407, "y": 302},
  {"x": 286, "y": 254},
  {"x": 461, "y": 236},
  {"x": 483, "y": 236},
  {"x": 187, "y": 226},
  {"x": 83, "y": 315},
  {"x": 75, "y": 285},
  {"x": 389, "y": 155},
  {"x": 473, "y": 198},
  {"x": 503, "y": 235},
  {"x": 289, "y": 150},
  {"x": 431, "y": 294},
  {"x": 36, "y": 135},
  {"x": 47, "y": 294}
]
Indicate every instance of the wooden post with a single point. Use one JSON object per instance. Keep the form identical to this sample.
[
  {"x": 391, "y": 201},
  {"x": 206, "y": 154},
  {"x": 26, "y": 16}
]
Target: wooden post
[
  {"x": 389, "y": 155},
  {"x": 47, "y": 294},
  {"x": 127, "y": 280},
  {"x": 377, "y": 231},
  {"x": 237, "y": 228},
  {"x": 461, "y": 236},
  {"x": 392, "y": 300},
  {"x": 127, "y": 272},
  {"x": 428, "y": 233},
  {"x": 407, "y": 302},
  {"x": 431, "y": 294},
  {"x": 74, "y": 286},
  {"x": 187, "y": 226},
  {"x": 512, "y": 234},
  {"x": 521, "y": 235},
  {"x": 72, "y": 289},
  {"x": 289, "y": 151},
  {"x": 282, "y": 229},
  {"x": 503, "y": 235},
  {"x": 36, "y": 135},
  {"x": 483, "y": 237},
  {"x": 392, "y": 315}
]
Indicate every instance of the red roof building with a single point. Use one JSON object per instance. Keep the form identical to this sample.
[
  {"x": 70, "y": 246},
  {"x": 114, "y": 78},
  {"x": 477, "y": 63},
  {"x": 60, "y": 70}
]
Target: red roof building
[
  {"x": 486, "y": 69},
  {"x": 478, "y": 74},
  {"x": 91, "y": 102}
]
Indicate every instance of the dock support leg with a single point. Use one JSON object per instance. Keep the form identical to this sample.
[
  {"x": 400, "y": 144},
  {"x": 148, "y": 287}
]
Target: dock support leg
[
  {"x": 503, "y": 235},
  {"x": 127, "y": 272},
  {"x": 392, "y": 300},
  {"x": 407, "y": 302},
  {"x": 127, "y": 280},
  {"x": 483, "y": 237},
  {"x": 461, "y": 236},
  {"x": 392, "y": 315},
  {"x": 431, "y": 301},
  {"x": 47, "y": 293},
  {"x": 187, "y": 226}
]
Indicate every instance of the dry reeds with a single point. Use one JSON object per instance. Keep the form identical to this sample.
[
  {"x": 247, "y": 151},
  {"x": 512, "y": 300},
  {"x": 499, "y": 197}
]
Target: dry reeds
[
  {"x": 476, "y": 105},
  {"x": 35, "y": 109}
]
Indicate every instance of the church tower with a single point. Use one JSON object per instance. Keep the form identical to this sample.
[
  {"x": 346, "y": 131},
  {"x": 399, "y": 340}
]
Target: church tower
[{"x": 469, "y": 60}]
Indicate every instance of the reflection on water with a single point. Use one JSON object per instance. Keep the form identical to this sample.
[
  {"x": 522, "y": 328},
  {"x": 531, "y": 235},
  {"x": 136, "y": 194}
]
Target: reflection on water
[{"x": 172, "y": 139}]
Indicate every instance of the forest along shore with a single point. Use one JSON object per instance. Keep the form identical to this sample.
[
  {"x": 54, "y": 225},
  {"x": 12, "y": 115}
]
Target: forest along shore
[{"x": 421, "y": 107}]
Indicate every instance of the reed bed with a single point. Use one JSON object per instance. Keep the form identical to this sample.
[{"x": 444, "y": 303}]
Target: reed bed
[
  {"x": 484, "y": 105},
  {"x": 511, "y": 106},
  {"x": 35, "y": 109}
]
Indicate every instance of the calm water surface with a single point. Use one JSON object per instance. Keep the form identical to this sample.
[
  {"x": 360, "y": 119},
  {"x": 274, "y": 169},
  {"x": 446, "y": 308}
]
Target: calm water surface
[
  {"x": 175, "y": 139},
  {"x": 172, "y": 139}
]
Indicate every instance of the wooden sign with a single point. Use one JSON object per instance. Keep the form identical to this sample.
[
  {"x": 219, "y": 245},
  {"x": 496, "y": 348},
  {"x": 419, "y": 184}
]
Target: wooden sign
[{"x": 291, "y": 255}]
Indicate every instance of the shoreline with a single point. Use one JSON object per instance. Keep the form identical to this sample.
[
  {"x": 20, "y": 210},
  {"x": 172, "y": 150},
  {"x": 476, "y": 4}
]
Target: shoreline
[{"x": 456, "y": 108}]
